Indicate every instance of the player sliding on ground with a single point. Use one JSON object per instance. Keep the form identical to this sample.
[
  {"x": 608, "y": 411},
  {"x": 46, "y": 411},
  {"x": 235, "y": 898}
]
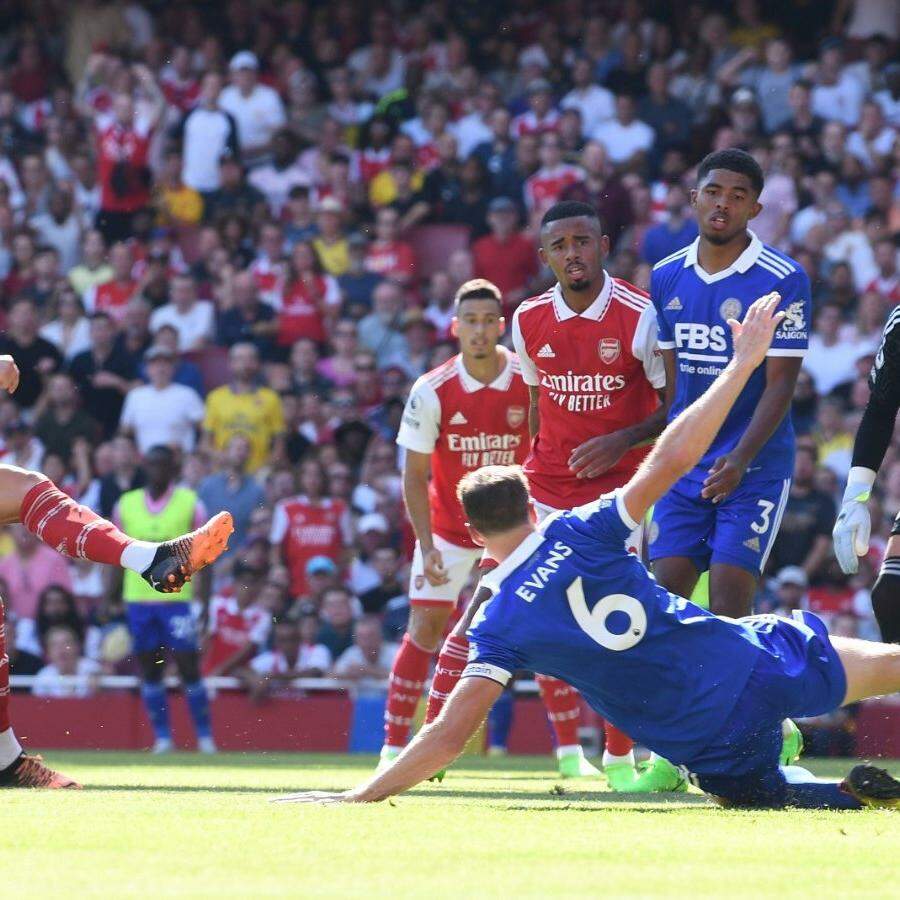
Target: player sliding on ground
[
  {"x": 705, "y": 692},
  {"x": 78, "y": 532}
]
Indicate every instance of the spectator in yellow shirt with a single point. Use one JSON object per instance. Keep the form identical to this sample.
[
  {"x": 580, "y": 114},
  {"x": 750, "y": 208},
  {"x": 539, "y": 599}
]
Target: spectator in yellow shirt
[
  {"x": 244, "y": 407},
  {"x": 331, "y": 244},
  {"x": 176, "y": 203}
]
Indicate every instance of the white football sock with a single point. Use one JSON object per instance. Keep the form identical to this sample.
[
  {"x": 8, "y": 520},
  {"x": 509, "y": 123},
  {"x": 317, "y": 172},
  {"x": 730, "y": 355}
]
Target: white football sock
[
  {"x": 138, "y": 555},
  {"x": 569, "y": 750},
  {"x": 610, "y": 759},
  {"x": 10, "y": 749}
]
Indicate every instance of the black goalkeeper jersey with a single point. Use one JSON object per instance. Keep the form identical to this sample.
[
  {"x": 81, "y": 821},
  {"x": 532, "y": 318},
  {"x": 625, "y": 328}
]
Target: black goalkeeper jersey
[{"x": 877, "y": 425}]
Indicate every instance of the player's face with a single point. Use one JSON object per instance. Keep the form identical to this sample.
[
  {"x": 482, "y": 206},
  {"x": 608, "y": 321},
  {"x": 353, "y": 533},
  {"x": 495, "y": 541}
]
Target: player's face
[
  {"x": 478, "y": 327},
  {"x": 724, "y": 203},
  {"x": 574, "y": 249}
]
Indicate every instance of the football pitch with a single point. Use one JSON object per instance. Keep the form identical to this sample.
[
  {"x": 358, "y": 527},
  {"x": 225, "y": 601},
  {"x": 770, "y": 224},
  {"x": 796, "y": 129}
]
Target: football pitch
[{"x": 195, "y": 826}]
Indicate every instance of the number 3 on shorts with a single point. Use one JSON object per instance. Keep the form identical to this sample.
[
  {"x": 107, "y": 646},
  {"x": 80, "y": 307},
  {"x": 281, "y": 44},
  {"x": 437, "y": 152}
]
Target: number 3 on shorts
[{"x": 762, "y": 526}]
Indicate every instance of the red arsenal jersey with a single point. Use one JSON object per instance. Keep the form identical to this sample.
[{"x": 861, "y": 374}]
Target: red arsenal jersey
[
  {"x": 464, "y": 425},
  {"x": 131, "y": 146},
  {"x": 304, "y": 529},
  {"x": 598, "y": 372},
  {"x": 111, "y": 297},
  {"x": 232, "y": 628}
]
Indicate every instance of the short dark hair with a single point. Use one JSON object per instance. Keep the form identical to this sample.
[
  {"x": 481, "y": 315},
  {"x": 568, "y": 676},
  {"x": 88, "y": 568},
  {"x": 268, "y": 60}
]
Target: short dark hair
[
  {"x": 477, "y": 289},
  {"x": 733, "y": 160},
  {"x": 570, "y": 209},
  {"x": 495, "y": 498}
]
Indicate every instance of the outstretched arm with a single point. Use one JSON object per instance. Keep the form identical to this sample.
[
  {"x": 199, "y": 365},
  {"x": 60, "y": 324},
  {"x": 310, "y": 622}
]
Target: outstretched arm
[
  {"x": 433, "y": 748},
  {"x": 682, "y": 445}
]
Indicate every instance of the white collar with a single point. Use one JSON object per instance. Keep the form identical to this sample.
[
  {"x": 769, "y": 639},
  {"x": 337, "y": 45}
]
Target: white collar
[
  {"x": 494, "y": 578},
  {"x": 741, "y": 264},
  {"x": 500, "y": 383},
  {"x": 595, "y": 311}
]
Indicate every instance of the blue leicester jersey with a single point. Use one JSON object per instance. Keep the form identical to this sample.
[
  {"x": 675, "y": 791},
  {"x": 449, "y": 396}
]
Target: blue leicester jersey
[
  {"x": 692, "y": 310},
  {"x": 571, "y": 602}
]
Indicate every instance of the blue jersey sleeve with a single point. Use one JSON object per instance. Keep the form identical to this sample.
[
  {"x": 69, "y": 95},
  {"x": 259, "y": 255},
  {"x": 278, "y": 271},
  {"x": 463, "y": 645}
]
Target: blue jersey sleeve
[
  {"x": 665, "y": 338},
  {"x": 606, "y": 520},
  {"x": 792, "y": 336},
  {"x": 489, "y": 655}
]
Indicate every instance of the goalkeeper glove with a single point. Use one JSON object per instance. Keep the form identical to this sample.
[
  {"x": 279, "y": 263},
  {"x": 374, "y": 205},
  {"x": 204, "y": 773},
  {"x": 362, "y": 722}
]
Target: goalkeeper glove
[{"x": 853, "y": 526}]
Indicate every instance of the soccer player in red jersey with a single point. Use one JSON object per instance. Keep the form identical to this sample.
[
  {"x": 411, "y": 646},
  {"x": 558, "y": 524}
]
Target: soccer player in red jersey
[
  {"x": 472, "y": 411},
  {"x": 78, "y": 532},
  {"x": 587, "y": 348}
]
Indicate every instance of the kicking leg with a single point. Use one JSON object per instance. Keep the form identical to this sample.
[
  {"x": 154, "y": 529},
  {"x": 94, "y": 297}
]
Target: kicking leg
[{"x": 78, "y": 532}]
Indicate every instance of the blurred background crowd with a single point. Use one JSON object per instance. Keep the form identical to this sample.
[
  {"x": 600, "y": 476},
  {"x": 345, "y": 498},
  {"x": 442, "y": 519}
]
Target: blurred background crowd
[{"x": 236, "y": 229}]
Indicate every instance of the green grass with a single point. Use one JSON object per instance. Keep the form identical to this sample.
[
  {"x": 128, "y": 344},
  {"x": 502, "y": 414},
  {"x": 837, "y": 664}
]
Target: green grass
[{"x": 199, "y": 827}]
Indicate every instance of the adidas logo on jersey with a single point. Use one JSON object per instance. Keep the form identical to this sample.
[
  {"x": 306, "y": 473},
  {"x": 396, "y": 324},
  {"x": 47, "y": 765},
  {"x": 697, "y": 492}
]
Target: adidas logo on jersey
[
  {"x": 546, "y": 352},
  {"x": 458, "y": 419},
  {"x": 752, "y": 544},
  {"x": 674, "y": 303}
]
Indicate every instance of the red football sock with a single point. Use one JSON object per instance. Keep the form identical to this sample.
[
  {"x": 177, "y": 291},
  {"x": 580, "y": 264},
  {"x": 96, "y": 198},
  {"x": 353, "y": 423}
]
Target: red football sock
[
  {"x": 563, "y": 705},
  {"x": 4, "y": 674},
  {"x": 69, "y": 528},
  {"x": 617, "y": 742},
  {"x": 447, "y": 671},
  {"x": 404, "y": 691}
]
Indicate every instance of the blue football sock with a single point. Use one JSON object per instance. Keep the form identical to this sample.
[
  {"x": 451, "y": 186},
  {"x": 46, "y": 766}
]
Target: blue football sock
[
  {"x": 500, "y": 720},
  {"x": 805, "y": 791},
  {"x": 198, "y": 703},
  {"x": 154, "y": 696}
]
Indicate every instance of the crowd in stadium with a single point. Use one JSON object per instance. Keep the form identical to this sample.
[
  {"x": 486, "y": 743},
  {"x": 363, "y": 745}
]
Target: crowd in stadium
[{"x": 236, "y": 230}]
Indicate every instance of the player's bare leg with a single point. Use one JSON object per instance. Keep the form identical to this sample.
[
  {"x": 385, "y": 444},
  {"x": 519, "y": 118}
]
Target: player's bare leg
[
  {"x": 731, "y": 590},
  {"x": 426, "y": 626},
  {"x": 17, "y": 769},
  {"x": 677, "y": 574}
]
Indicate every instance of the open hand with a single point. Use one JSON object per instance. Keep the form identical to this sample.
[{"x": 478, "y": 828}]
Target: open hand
[
  {"x": 319, "y": 798},
  {"x": 724, "y": 476},
  {"x": 753, "y": 336},
  {"x": 598, "y": 455}
]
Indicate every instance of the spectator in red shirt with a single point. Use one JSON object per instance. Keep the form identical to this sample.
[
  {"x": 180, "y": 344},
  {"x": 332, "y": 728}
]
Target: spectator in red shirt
[
  {"x": 123, "y": 149},
  {"x": 506, "y": 256},
  {"x": 238, "y": 626},
  {"x": 311, "y": 299},
  {"x": 112, "y": 297},
  {"x": 387, "y": 255}
]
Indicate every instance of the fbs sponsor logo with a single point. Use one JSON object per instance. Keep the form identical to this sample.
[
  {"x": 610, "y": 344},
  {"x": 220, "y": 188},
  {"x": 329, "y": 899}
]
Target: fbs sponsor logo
[
  {"x": 546, "y": 352},
  {"x": 752, "y": 544},
  {"x": 674, "y": 304},
  {"x": 419, "y": 582},
  {"x": 458, "y": 419}
]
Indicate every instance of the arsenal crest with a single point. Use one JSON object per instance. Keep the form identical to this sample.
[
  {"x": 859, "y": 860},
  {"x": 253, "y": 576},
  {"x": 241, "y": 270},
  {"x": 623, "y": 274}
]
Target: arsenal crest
[
  {"x": 609, "y": 349},
  {"x": 419, "y": 582},
  {"x": 515, "y": 416}
]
